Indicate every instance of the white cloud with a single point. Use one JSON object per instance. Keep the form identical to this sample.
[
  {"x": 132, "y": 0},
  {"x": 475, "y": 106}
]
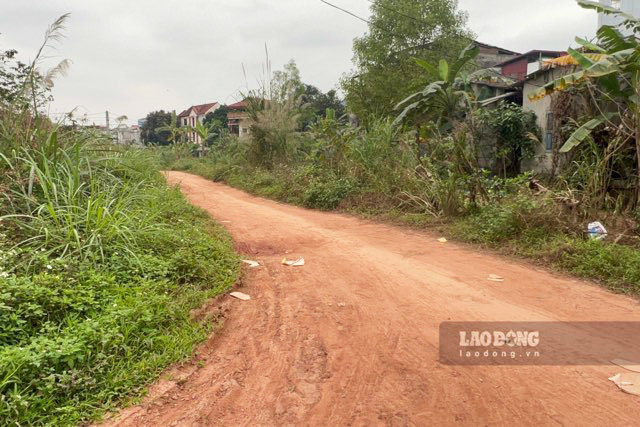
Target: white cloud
[{"x": 131, "y": 57}]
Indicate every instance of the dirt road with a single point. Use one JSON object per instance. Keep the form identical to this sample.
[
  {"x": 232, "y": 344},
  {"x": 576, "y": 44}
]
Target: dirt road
[{"x": 351, "y": 338}]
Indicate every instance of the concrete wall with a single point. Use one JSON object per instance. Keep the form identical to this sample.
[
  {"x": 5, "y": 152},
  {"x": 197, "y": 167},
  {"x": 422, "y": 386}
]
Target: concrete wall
[{"x": 543, "y": 160}]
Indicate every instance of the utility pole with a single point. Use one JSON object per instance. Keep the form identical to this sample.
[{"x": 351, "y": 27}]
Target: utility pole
[{"x": 107, "y": 115}]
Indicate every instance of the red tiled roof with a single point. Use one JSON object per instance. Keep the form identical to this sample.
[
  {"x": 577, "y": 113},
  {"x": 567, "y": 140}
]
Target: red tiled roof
[
  {"x": 198, "y": 109},
  {"x": 238, "y": 105}
]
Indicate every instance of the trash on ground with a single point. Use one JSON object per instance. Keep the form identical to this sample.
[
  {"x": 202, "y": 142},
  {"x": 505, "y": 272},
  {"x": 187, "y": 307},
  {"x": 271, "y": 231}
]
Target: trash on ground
[
  {"x": 342, "y": 304},
  {"x": 596, "y": 231},
  {"x": 225, "y": 222},
  {"x": 252, "y": 264},
  {"x": 240, "y": 296},
  {"x": 630, "y": 366},
  {"x": 628, "y": 382},
  {"x": 442, "y": 240},
  {"x": 296, "y": 263},
  {"x": 495, "y": 278}
]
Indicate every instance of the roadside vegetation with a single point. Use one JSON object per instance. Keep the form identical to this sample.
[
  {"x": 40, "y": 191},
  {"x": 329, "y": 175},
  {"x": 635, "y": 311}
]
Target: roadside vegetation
[
  {"x": 423, "y": 162},
  {"x": 101, "y": 262}
]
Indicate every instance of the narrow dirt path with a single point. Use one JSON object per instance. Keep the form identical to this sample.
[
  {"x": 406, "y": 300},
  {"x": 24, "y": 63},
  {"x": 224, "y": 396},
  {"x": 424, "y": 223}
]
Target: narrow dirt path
[{"x": 351, "y": 338}]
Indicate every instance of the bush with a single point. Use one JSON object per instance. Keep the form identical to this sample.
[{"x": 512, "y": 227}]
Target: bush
[
  {"x": 327, "y": 192},
  {"x": 508, "y": 219}
]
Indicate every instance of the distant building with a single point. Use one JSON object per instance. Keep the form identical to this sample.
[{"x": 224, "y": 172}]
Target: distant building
[
  {"x": 489, "y": 56},
  {"x": 141, "y": 122},
  {"x": 196, "y": 114},
  {"x": 238, "y": 119},
  {"x": 519, "y": 67},
  {"x": 632, "y": 7},
  {"x": 127, "y": 135}
]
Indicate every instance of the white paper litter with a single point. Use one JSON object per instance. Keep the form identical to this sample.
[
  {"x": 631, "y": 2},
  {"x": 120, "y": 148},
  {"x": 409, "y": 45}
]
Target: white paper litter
[
  {"x": 495, "y": 278},
  {"x": 628, "y": 382},
  {"x": 240, "y": 296},
  {"x": 442, "y": 240},
  {"x": 296, "y": 263},
  {"x": 252, "y": 264}
]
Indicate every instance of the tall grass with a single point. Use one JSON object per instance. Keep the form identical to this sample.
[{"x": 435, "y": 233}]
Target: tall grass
[{"x": 71, "y": 204}]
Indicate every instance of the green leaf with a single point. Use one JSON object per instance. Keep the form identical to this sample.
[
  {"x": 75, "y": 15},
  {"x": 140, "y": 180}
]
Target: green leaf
[
  {"x": 467, "y": 54},
  {"x": 607, "y": 10},
  {"x": 583, "y": 132},
  {"x": 407, "y": 99},
  {"x": 612, "y": 40},
  {"x": 589, "y": 45},
  {"x": 443, "y": 68},
  {"x": 408, "y": 110},
  {"x": 430, "y": 68},
  {"x": 580, "y": 58}
]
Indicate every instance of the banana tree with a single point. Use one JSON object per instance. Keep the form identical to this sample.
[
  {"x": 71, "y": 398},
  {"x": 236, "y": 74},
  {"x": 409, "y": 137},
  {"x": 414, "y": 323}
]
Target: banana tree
[
  {"x": 207, "y": 131},
  {"x": 612, "y": 76},
  {"x": 441, "y": 101},
  {"x": 176, "y": 132}
]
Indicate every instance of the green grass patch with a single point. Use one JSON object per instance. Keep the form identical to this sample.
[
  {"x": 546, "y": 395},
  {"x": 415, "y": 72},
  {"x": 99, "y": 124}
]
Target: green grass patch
[{"x": 101, "y": 264}]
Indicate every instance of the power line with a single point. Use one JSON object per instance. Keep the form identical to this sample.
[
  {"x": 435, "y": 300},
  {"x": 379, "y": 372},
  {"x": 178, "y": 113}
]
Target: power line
[
  {"x": 413, "y": 18},
  {"x": 371, "y": 23},
  {"x": 346, "y": 11}
]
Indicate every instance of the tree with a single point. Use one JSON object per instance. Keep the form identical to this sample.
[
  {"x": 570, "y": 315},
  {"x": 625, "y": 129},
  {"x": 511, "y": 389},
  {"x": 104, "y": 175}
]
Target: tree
[
  {"x": 173, "y": 129},
  {"x": 152, "y": 132},
  {"x": 219, "y": 115},
  {"x": 400, "y": 30},
  {"x": 207, "y": 131},
  {"x": 286, "y": 83},
  {"x": 515, "y": 132},
  {"x": 315, "y": 104},
  {"x": 13, "y": 74},
  {"x": 442, "y": 101}
]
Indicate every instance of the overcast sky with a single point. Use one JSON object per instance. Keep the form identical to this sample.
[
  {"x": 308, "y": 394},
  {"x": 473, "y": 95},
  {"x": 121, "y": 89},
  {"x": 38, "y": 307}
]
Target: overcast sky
[{"x": 132, "y": 57}]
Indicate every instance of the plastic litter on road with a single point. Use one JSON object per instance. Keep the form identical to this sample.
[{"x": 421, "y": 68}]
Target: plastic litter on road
[
  {"x": 442, "y": 240},
  {"x": 596, "y": 231},
  {"x": 252, "y": 264},
  {"x": 495, "y": 278}
]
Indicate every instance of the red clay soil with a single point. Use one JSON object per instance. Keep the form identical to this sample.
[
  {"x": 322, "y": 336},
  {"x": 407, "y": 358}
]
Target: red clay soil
[{"x": 351, "y": 338}]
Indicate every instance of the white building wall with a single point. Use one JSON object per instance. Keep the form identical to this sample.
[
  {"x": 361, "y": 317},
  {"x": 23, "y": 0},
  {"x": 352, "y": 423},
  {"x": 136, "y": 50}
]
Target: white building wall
[
  {"x": 631, "y": 7},
  {"x": 543, "y": 160}
]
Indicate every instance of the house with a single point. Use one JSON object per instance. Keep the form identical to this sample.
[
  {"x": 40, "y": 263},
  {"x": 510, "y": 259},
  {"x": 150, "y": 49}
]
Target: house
[
  {"x": 545, "y": 109},
  {"x": 519, "y": 67},
  {"x": 127, "y": 135},
  {"x": 490, "y": 55},
  {"x": 238, "y": 119},
  {"x": 196, "y": 114}
]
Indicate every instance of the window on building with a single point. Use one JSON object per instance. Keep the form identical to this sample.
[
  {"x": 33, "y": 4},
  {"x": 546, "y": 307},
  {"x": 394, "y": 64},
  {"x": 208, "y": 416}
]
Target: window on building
[
  {"x": 548, "y": 138},
  {"x": 548, "y": 141}
]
